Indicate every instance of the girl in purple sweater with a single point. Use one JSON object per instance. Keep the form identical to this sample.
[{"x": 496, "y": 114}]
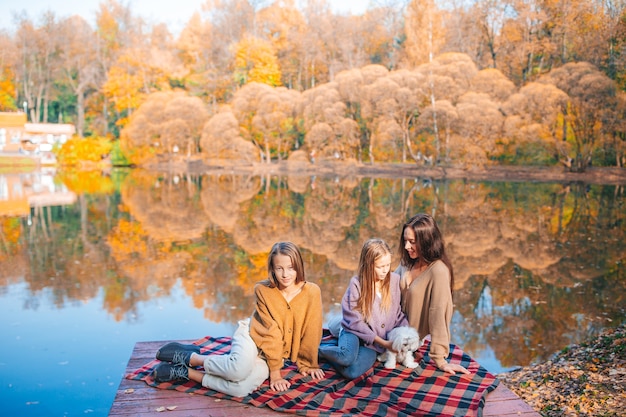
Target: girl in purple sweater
[{"x": 371, "y": 308}]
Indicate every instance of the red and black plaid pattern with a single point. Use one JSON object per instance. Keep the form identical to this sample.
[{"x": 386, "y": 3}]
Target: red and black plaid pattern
[{"x": 423, "y": 391}]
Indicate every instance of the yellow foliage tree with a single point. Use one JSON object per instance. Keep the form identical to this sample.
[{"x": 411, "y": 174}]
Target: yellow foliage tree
[
  {"x": 79, "y": 151},
  {"x": 8, "y": 92},
  {"x": 256, "y": 61},
  {"x": 124, "y": 87}
]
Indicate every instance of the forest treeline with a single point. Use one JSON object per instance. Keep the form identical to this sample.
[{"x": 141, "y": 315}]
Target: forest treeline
[{"x": 534, "y": 82}]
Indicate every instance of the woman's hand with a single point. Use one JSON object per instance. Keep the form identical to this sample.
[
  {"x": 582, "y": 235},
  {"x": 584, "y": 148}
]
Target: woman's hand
[
  {"x": 316, "y": 373},
  {"x": 453, "y": 368},
  {"x": 277, "y": 382}
]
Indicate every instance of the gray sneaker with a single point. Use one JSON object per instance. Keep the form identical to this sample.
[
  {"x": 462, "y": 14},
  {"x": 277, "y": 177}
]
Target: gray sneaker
[
  {"x": 165, "y": 372},
  {"x": 177, "y": 353}
]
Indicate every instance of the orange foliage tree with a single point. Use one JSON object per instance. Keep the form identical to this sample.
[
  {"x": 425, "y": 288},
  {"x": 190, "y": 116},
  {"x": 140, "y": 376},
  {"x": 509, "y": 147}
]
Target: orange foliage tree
[{"x": 8, "y": 92}]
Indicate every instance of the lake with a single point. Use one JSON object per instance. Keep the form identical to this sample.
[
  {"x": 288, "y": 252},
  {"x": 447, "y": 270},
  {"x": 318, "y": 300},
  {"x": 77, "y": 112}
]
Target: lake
[{"x": 92, "y": 262}]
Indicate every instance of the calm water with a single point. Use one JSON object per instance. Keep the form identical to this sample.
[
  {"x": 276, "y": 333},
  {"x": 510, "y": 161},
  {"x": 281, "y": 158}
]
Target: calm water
[{"x": 92, "y": 263}]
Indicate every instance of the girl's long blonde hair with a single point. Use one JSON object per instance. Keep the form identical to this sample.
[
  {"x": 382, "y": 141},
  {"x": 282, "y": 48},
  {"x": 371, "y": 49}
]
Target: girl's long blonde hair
[{"x": 371, "y": 251}]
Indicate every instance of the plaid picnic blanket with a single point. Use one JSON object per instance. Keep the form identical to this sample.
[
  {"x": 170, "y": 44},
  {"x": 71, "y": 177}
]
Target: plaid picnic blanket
[{"x": 423, "y": 391}]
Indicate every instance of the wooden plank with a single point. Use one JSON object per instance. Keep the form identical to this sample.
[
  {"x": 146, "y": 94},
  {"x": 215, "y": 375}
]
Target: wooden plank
[
  {"x": 136, "y": 398},
  {"x": 504, "y": 402}
]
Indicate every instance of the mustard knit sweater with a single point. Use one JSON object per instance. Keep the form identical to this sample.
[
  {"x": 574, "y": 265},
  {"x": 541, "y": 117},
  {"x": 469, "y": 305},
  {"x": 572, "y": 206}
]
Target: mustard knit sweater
[
  {"x": 427, "y": 303},
  {"x": 283, "y": 330}
]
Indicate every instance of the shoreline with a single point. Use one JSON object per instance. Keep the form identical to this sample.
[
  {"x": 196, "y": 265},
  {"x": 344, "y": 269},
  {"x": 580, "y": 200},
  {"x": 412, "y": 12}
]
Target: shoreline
[
  {"x": 508, "y": 173},
  {"x": 594, "y": 175}
]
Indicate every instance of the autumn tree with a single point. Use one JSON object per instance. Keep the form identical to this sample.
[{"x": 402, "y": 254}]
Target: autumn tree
[
  {"x": 195, "y": 48},
  {"x": 533, "y": 124},
  {"x": 592, "y": 102},
  {"x": 328, "y": 129},
  {"x": 224, "y": 24},
  {"x": 425, "y": 32},
  {"x": 277, "y": 122},
  {"x": 617, "y": 139},
  {"x": 221, "y": 138},
  {"x": 315, "y": 61},
  {"x": 384, "y": 32},
  {"x": 79, "y": 63},
  {"x": 447, "y": 119},
  {"x": 283, "y": 25},
  {"x": 37, "y": 64},
  {"x": 140, "y": 70},
  {"x": 491, "y": 16},
  {"x": 478, "y": 128},
  {"x": 448, "y": 77},
  {"x": 493, "y": 83},
  {"x": 577, "y": 29},
  {"x": 8, "y": 86},
  {"x": 256, "y": 61},
  {"x": 78, "y": 151},
  {"x": 267, "y": 117},
  {"x": 245, "y": 104},
  {"x": 117, "y": 32},
  {"x": 352, "y": 85},
  {"x": 524, "y": 45},
  {"x": 8, "y": 91},
  {"x": 399, "y": 97},
  {"x": 124, "y": 86},
  {"x": 165, "y": 124}
]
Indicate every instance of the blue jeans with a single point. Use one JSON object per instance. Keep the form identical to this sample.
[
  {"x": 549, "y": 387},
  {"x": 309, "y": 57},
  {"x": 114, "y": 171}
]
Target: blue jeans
[{"x": 349, "y": 358}]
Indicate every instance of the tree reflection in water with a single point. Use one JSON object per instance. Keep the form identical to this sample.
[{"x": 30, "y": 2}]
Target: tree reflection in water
[{"x": 538, "y": 266}]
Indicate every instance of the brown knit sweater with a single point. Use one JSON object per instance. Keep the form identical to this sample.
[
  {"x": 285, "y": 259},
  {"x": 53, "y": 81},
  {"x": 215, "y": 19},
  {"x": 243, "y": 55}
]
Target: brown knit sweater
[
  {"x": 427, "y": 303},
  {"x": 283, "y": 330}
]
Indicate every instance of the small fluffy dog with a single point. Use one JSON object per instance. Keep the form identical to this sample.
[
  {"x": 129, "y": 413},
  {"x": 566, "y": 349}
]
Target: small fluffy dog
[{"x": 405, "y": 340}]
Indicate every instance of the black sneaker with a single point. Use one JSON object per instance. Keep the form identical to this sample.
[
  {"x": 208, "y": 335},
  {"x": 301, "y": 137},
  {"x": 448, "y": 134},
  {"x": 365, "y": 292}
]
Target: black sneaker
[
  {"x": 176, "y": 353},
  {"x": 164, "y": 372}
]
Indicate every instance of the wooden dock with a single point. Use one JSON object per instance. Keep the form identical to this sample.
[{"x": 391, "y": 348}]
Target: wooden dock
[{"x": 137, "y": 399}]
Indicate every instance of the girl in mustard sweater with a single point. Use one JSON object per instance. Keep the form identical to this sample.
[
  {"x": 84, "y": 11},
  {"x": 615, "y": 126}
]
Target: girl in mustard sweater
[{"x": 286, "y": 324}]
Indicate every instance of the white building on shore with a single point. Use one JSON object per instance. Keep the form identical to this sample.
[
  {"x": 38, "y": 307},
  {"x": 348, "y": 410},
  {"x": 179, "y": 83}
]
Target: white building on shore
[{"x": 36, "y": 139}]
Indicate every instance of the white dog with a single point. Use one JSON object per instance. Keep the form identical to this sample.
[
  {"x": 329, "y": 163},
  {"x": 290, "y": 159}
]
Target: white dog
[{"x": 405, "y": 340}]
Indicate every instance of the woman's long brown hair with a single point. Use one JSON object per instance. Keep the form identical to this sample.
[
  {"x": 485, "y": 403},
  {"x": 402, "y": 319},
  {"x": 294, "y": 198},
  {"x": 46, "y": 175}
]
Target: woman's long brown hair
[{"x": 429, "y": 241}]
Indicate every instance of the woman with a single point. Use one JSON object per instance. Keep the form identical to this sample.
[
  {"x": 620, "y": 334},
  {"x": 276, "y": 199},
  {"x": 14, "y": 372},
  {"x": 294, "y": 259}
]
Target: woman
[
  {"x": 286, "y": 324},
  {"x": 426, "y": 283}
]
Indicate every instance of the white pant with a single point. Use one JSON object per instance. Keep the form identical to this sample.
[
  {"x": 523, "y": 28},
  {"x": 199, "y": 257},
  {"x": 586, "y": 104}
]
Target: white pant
[{"x": 239, "y": 372}]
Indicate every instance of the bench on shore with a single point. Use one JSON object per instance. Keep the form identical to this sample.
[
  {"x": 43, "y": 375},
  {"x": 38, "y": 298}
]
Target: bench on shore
[{"x": 136, "y": 398}]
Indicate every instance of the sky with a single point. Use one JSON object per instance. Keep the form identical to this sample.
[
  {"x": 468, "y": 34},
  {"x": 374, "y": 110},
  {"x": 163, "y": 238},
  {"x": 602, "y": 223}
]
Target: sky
[{"x": 151, "y": 10}]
